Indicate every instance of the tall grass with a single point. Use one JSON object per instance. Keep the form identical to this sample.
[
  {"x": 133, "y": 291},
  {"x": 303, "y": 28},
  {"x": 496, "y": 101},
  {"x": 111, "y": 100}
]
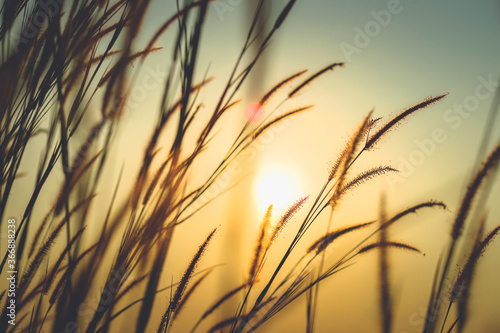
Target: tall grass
[{"x": 78, "y": 61}]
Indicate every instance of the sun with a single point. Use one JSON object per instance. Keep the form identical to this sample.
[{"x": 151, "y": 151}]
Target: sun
[{"x": 277, "y": 187}]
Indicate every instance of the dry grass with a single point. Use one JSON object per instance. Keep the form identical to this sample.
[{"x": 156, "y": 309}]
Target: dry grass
[{"x": 79, "y": 62}]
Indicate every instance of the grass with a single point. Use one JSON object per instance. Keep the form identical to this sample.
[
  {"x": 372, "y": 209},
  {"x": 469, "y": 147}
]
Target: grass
[{"x": 79, "y": 61}]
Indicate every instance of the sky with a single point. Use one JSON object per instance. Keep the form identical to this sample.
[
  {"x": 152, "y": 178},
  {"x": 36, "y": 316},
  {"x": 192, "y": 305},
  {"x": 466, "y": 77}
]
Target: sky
[{"x": 396, "y": 54}]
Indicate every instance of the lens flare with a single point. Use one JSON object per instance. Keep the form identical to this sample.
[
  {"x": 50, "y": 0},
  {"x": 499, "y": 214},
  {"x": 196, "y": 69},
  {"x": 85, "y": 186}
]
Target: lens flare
[{"x": 254, "y": 112}]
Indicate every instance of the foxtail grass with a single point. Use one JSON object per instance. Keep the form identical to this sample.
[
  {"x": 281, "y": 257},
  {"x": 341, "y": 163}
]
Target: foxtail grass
[
  {"x": 179, "y": 292},
  {"x": 434, "y": 306},
  {"x": 67, "y": 87}
]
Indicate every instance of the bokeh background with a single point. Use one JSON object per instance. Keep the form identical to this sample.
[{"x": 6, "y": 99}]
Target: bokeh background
[
  {"x": 397, "y": 53},
  {"x": 423, "y": 48}
]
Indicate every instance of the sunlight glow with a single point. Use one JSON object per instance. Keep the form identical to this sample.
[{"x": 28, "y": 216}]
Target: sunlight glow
[{"x": 275, "y": 187}]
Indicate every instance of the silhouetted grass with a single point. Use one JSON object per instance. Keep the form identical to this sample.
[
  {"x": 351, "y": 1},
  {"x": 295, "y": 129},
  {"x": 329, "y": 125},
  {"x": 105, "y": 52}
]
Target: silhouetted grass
[{"x": 78, "y": 62}]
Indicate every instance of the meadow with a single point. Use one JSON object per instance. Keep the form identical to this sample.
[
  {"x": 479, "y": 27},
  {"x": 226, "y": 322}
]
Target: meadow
[{"x": 92, "y": 242}]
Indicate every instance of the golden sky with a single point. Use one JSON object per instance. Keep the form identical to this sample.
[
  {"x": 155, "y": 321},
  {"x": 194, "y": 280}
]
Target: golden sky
[{"x": 397, "y": 53}]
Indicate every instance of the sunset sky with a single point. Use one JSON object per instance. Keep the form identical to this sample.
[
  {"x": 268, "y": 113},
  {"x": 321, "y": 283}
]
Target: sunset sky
[
  {"x": 421, "y": 49},
  {"x": 109, "y": 148},
  {"x": 396, "y": 54}
]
